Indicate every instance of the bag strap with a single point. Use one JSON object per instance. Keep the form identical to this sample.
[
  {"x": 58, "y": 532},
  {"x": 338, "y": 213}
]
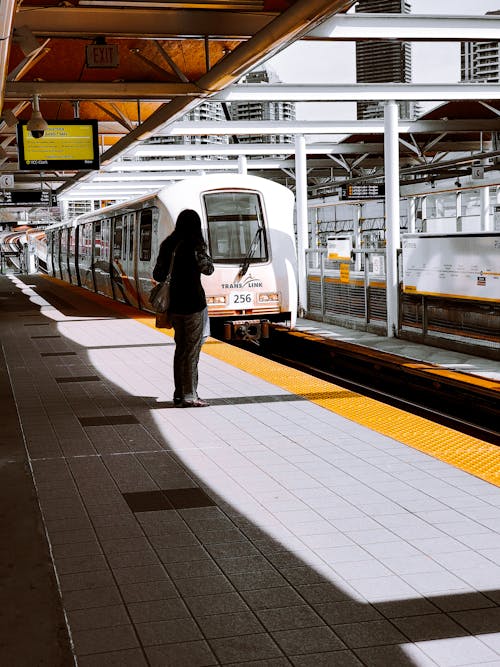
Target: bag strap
[{"x": 171, "y": 266}]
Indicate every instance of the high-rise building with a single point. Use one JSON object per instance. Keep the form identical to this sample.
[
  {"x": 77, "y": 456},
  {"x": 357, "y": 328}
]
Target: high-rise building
[
  {"x": 480, "y": 61},
  {"x": 384, "y": 61},
  {"x": 205, "y": 111},
  {"x": 264, "y": 110}
]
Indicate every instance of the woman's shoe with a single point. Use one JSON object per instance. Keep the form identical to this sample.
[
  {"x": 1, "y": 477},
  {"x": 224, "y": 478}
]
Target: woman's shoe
[{"x": 197, "y": 403}]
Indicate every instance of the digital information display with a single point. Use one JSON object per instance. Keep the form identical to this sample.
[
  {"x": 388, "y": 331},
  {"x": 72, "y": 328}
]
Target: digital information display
[
  {"x": 363, "y": 191},
  {"x": 27, "y": 198},
  {"x": 465, "y": 266},
  {"x": 70, "y": 145}
]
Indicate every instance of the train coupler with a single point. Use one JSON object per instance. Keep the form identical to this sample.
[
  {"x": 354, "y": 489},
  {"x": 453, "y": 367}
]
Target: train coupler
[{"x": 250, "y": 331}]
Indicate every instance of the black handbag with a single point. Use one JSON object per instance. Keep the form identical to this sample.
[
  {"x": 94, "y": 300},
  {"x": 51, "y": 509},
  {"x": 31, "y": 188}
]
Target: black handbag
[{"x": 159, "y": 296}]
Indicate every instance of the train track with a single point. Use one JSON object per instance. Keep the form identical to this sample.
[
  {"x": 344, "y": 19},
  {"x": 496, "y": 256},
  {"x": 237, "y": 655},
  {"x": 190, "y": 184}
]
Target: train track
[{"x": 471, "y": 408}]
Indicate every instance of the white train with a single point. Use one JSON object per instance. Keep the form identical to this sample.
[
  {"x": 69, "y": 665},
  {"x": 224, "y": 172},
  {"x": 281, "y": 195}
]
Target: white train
[{"x": 248, "y": 225}]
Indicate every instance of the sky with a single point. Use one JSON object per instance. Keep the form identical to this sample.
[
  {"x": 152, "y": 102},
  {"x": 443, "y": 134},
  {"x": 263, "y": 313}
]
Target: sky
[{"x": 320, "y": 62}]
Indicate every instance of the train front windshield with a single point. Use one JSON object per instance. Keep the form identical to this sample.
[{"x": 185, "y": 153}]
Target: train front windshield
[{"x": 236, "y": 232}]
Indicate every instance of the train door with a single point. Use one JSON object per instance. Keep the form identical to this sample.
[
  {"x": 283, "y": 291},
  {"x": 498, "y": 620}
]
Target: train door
[
  {"x": 101, "y": 257},
  {"x": 118, "y": 251},
  {"x": 72, "y": 257},
  {"x": 56, "y": 255},
  {"x": 128, "y": 259},
  {"x": 145, "y": 254},
  {"x": 50, "y": 250},
  {"x": 85, "y": 256},
  {"x": 64, "y": 255}
]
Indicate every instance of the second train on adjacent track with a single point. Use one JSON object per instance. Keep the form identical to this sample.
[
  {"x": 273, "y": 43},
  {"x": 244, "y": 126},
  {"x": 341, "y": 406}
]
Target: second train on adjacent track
[{"x": 248, "y": 224}]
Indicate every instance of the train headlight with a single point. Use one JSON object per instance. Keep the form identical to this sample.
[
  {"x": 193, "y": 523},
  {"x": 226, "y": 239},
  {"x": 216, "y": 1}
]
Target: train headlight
[
  {"x": 269, "y": 296},
  {"x": 221, "y": 299}
]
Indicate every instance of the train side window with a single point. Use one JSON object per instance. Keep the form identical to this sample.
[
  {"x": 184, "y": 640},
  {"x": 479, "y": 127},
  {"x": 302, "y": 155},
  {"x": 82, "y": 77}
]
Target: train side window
[
  {"x": 97, "y": 240},
  {"x": 145, "y": 236},
  {"x": 117, "y": 238},
  {"x": 85, "y": 241},
  {"x": 236, "y": 227}
]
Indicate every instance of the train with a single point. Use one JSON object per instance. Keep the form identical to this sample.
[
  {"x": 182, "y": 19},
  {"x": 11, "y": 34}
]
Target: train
[{"x": 248, "y": 225}]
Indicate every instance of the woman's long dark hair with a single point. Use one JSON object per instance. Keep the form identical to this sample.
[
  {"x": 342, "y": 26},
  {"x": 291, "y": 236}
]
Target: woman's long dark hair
[{"x": 188, "y": 228}]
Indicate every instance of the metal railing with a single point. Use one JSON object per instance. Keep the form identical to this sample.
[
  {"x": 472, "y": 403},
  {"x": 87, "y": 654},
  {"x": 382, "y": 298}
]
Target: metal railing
[{"x": 347, "y": 292}]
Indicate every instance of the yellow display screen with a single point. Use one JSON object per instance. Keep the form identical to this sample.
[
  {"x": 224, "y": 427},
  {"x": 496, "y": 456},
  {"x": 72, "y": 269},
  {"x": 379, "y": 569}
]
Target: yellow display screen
[{"x": 64, "y": 145}]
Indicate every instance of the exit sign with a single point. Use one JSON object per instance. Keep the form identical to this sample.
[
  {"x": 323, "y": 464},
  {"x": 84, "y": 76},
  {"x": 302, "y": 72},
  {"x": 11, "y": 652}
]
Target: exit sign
[{"x": 102, "y": 55}]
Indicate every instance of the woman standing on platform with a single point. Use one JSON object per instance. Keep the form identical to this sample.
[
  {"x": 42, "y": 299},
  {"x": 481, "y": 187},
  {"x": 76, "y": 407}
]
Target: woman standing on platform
[{"x": 188, "y": 305}]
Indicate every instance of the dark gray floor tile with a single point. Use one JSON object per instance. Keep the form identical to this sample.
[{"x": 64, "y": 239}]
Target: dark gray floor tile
[
  {"x": 104, "y": 639},
  {"x": 257, "y": 580},
  {"x": 204, "y": 586},
  {"x": 308, "y": 640},
  {"x": 284, "y": 596},
  {"x": 100, "y": 617},
  {"x": 289, "y": 618},
  {"x": 95, "y": 597},
  {"x": 324, "y": 592},
  {"x": 245, "y": 647},
  {"x": 479, "y": 621},
  {"x": 192, "y": 654},
  {"x": 194, "y": 568},
  {"x": 148, "y": 590},
  {"x": 205, "y": 605},
  {"x": 229, "y": 625},
  {"x": 131, "y": 658},
  {"x": 370, "y": 633},
  {"x": 130, "y": 575},
  {"x": 166, "y": 632},
  {"x": 345, "y": 611},
  {"x": 157, "y": 610},
  {"x": 330, "y": 659},
  {"x": 392, "y": 656}
]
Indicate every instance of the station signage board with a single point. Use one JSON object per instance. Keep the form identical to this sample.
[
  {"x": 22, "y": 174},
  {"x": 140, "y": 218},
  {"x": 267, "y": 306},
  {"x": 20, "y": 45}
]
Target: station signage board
[
  {"x": 18, "y": 198},
  {"x": 356, "y": 191},
  {"x": 339, "y": 247},
  {"x": 462, "y": 266}
]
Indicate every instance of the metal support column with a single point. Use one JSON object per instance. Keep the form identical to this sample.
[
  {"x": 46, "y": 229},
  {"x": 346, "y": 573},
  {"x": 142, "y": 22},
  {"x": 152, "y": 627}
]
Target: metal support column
[
  {"x": 302, "y": 218},
  {"x": 412, "y": 214},
  {"x": 486, "y": 221},
  {"x": 391, "y": 166}
]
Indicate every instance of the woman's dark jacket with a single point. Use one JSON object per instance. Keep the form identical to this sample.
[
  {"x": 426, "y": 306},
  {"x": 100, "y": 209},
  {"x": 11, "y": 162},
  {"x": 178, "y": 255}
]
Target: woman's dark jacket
[{"x": 186, "y": 292}]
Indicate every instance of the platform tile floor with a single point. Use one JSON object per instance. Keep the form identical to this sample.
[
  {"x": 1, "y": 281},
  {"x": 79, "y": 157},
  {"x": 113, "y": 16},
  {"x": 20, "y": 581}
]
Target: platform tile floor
[{"x": 262, "y": 530}]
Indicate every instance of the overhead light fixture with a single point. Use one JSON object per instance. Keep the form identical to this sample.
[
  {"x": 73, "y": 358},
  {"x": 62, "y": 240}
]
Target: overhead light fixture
[
  {"x": 433, "y": 183},
  {"x": 37, "y": 125},
  {"x": 457, "y": 183}
]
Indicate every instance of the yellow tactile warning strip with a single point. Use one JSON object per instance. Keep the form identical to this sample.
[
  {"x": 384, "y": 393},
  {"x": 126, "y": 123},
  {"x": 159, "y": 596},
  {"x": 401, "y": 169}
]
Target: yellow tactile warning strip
[{"x": 470, "y": 454}]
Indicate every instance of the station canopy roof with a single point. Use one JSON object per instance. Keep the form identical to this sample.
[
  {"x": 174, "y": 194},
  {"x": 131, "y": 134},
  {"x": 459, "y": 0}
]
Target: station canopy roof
[{"x": 132, "y": 65}]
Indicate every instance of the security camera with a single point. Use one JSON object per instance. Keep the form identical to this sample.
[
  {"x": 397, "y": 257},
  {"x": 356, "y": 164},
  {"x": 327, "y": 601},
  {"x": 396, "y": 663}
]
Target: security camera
[{"x": 37, "y": 125}]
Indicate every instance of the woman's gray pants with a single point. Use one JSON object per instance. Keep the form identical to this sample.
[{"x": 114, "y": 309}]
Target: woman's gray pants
[{"x": 188, "y": 341}]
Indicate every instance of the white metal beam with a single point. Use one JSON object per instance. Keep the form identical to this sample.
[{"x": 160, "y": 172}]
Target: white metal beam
[
  {"x": 69, "y": 90},
  {"x": 251, "y": 92},
  {"x": 150, "y": 23},
  {"x": 243, "y": 127},
  {"x": 408, "y": 27}
]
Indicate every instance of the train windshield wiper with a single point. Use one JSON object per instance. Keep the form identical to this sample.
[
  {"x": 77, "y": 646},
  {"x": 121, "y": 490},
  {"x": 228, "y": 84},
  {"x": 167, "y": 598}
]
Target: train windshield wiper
[{"x": 246, "y": 261}]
